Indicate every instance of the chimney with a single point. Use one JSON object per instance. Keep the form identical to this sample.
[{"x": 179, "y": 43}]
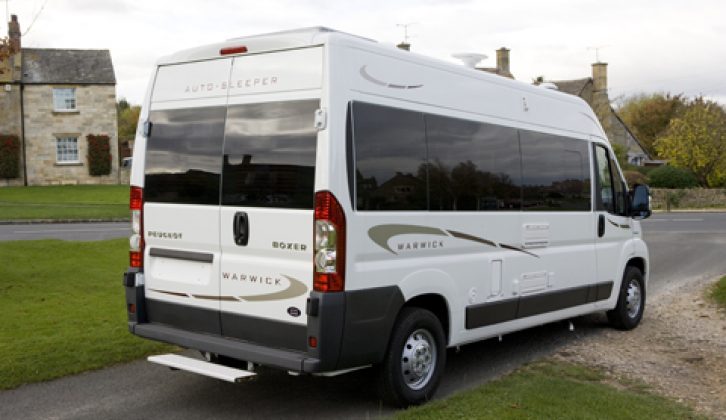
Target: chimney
[
  {"x": 600, "y": 77},
  {"x": 14, "y": 33},
  {"x": 503, "y": 62},
  {"x": 404, "y": 46}
]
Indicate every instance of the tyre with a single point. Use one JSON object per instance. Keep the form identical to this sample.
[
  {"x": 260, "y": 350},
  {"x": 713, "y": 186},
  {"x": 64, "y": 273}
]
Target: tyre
[
  {"x": 631, "y": 301},
  {"x": 414, "y": 363}
]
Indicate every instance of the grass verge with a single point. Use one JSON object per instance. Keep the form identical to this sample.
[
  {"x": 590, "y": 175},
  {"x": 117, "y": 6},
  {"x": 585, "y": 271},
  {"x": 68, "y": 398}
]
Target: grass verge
[
  {"x": 718, "y": 292},
  {"x": 552, "y": 390},
  {"x": 63, "y": 310},
  {"x": 64, "y": 202}
]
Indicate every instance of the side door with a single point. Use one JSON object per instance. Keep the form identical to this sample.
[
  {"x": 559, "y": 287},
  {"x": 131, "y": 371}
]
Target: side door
[
  {"x": 183, "y": 165},
  {"x": 613, "y": 227}
]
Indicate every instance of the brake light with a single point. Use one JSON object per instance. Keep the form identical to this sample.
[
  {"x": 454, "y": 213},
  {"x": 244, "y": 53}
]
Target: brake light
[
  {"x": 233, "y": 50},
  {"x": 329, "y": 241},
  {"x": 136, "y": 241}
]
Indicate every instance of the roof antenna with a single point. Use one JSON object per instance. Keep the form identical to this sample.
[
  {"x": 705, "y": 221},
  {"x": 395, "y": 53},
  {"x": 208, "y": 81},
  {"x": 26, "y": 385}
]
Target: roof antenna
[
  {"x": 597, "y": 49},
  {"x": 405, "y": 45}
]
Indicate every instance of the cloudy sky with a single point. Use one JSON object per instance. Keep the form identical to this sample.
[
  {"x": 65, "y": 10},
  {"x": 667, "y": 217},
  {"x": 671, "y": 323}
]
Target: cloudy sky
[{"x": 668, "y": 45}]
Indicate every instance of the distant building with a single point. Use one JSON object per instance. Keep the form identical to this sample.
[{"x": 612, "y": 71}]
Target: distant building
[
  {"x": 52, "y": 99},
  {"x": 594, "y": 90}
]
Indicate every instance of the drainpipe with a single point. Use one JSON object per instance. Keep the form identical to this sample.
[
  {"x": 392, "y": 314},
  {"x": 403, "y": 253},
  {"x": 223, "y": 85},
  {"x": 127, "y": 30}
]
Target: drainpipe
[{"x": 22, "y": 133}]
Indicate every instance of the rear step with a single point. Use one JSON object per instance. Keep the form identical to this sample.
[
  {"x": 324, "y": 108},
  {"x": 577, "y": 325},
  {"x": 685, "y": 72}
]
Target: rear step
[{"x": 202, "y": 367}]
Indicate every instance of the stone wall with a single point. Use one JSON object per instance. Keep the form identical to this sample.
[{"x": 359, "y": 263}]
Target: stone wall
[
  {"x": 10, "y": 106},
  {"x": 691, "y": 198},
  {"x": 95, "y": 114}
]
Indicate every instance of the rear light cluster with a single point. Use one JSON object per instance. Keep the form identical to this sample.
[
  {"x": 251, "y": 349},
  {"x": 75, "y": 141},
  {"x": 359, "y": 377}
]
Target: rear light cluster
[
  {"x": 136, "y": 241},
  {"x": 329, "y": 253}
]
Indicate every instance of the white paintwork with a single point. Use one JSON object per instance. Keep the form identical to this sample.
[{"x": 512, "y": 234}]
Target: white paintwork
[
  {"x": 462, "y": 272},
  {"x": 201, "y": 367}
]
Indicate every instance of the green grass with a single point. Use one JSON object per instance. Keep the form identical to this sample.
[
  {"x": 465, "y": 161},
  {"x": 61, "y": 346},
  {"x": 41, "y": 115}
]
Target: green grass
[
  {"x": 552, "y": 390},
  {"x": 63, "y": 310},
  {"x": 718, "y": 292},
  {"x": 64, "y": 202}
]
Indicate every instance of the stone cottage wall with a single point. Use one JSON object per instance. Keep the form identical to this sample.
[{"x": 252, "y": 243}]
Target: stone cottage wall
[{"x": 95, "y": 114}]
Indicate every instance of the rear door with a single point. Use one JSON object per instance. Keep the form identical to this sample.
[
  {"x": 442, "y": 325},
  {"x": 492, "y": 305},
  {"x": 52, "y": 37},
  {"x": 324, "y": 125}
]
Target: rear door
[
  {"x": 181, "y": 193},
  {"x": 268, "y": 188}
]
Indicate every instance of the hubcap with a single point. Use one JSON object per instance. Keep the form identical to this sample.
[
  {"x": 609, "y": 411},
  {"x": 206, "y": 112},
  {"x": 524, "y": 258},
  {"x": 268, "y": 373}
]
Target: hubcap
[
  {"x": 634, "y": 298},
  {"x": 418, "y": 360}
]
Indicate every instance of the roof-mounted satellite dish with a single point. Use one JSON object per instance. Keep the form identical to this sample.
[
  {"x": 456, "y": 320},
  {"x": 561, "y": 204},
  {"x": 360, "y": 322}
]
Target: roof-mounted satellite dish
[{"x": 470, "y": 59}]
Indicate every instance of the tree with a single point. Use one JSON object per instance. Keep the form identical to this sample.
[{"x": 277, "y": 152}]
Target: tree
[
  {"x": 696, "y": 140},
  {"x": 128, "y": 118},
  {"x": 648, "y": 116},
  {"x": 670, "y": 177},
  {"x": 621, "y": 154}
]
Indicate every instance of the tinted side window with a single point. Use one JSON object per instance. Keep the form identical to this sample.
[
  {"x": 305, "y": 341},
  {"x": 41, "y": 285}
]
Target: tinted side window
[
  {"x": 555, "y": 172},
  {"x": 390, "y": 154},
  {"x": 472, "y": 166},
  {"x": 184, "y": 156},
  {"x": 269, "y": 155}
]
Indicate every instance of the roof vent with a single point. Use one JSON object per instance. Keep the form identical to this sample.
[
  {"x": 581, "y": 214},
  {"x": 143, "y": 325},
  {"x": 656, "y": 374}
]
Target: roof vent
[
  {"x": 470, "y": 59},
  {"x": 549, "y": 85}
]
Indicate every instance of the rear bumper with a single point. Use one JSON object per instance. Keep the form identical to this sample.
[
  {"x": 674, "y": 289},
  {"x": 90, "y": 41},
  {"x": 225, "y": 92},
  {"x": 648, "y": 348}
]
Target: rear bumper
[
  {"x": 351, "y": 329},
  {"x": 278, "y": 358}
]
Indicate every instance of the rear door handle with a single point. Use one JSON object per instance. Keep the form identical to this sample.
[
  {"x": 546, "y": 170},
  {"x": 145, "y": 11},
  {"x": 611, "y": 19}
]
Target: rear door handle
[
  {"x": 600, "y": 226},
  {"x": 241, "y": 228}
]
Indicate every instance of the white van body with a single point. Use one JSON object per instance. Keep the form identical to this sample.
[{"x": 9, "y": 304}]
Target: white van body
[{"x": 235, "y": 139}]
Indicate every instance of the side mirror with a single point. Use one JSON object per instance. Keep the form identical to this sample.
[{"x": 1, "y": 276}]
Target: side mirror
[{"x": 640, "y": 202}]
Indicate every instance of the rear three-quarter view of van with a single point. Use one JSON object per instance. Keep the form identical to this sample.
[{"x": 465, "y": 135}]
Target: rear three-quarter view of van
[{"x": 317, "y": 203}]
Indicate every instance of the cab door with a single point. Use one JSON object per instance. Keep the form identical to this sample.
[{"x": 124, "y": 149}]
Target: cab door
[{"x": 613, "y": 226}]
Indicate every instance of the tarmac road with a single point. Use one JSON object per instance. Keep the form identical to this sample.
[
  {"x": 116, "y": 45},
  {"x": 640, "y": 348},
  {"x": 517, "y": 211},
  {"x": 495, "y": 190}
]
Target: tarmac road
[{"x": 682, "y": 246}]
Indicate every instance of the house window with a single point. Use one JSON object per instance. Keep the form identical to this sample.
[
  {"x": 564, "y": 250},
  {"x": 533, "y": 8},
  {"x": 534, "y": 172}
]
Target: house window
[
  {"x": 64, "y": 99},
  {"x": 67, "y": 150}
]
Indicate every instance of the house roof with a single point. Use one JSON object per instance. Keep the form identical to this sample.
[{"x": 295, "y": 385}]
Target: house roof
[
  {"x": 573, "y": 87},
  {"x": 51, "y": 66}
]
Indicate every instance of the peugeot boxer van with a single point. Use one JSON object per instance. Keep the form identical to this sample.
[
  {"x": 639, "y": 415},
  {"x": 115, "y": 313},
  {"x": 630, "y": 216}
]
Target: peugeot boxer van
[{"x": 317, "y": 202}]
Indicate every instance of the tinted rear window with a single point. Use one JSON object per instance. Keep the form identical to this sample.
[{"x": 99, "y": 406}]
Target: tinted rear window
[
  {"x": 184, "y": 156},
  {"x": 269, "y": 155}
]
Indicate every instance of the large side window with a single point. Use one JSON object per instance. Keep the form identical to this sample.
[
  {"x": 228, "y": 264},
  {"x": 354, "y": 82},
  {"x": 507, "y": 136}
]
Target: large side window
[
  {"x": 269, "y": 155},
  {"x": 555, "y": 173},
  {"x": 390, "y": 155},
  {"x": 184, "y": 156},
  {"x": 610, "y": 194},
  {"x": 472, "y": 166}
]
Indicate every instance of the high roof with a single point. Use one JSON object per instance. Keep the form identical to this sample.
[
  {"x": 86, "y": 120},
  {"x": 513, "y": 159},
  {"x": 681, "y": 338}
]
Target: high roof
[{"x": 59, "y": 66}]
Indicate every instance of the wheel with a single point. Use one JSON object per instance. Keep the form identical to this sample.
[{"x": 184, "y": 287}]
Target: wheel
[
  {"x": 414, "y": 363},
  {"x": 631, "y": 301}
]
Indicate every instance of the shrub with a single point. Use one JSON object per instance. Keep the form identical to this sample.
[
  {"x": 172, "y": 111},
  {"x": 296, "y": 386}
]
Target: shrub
[
  {"x": 671, "y": 177},
  {"x": 634, "y": 177},
  {"x": 99, "y": 154},
  {"x": 9, "y": 156}
]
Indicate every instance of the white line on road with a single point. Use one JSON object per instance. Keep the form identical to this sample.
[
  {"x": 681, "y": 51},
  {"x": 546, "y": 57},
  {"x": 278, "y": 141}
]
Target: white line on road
[
  {"x": 688, "y": 220},
  {"x": 70, "y": 230}
]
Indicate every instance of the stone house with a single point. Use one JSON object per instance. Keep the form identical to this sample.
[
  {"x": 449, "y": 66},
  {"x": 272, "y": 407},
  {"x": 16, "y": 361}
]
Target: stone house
[
  {"x": 594, "y": 90},
  {"x": 52, "y": 99}
]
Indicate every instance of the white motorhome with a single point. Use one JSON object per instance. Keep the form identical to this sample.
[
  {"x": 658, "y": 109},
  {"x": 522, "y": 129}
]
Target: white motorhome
[{"x": 317, "y": 202}]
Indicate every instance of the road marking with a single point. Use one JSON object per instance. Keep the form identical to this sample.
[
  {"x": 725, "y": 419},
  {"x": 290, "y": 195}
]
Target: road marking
[
  {"x": 71, "y": 230},
  {"x": 688, "y": 220}
]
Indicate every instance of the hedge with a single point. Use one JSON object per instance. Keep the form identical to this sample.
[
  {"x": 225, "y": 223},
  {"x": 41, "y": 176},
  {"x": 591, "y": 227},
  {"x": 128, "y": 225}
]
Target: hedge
[
  {"x": 9, "y": 156},
  {"x": 99, "y": 154}
]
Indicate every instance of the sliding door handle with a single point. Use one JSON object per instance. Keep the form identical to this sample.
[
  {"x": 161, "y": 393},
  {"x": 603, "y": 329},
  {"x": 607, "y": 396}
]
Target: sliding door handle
[{"x": 601, "y": 226}]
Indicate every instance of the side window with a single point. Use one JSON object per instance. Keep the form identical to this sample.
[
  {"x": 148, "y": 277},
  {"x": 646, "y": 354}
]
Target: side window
[
  {"x": 184, "y": 156},
  {"x": 269, "y": 155},
  {"x": 610, "y": 189},
  {"x": 472, "y": 166},
  {"x": 555, "y": 173},
  {"x": 390, "y": 156}
]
